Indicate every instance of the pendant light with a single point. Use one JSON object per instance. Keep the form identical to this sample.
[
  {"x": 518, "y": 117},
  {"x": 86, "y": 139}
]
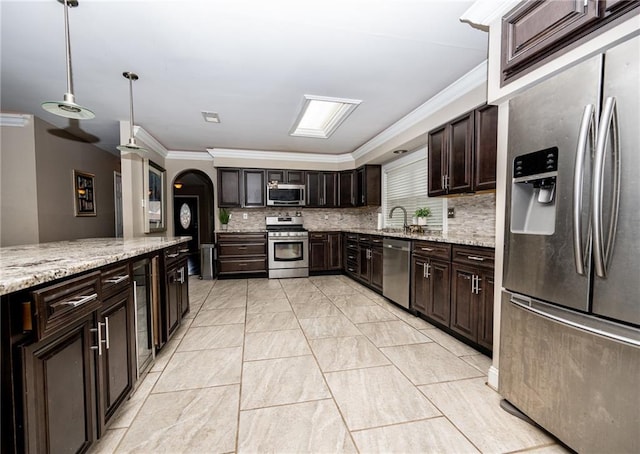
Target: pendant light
[
  {"x": 68, "y": 108},
  {"x": 131, "y": 145}
]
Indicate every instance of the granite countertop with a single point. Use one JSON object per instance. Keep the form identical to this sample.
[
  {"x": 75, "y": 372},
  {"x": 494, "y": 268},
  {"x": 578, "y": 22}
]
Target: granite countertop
[
  {"x": 29, "y": 265},
  {"x": 469, "y": 240}
]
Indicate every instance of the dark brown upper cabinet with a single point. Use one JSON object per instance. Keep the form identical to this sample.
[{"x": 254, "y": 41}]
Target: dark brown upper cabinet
[
  {"x": 229, "y": 187},
  {"x": 347, "y": 190},
  {"x": 254, "y": 188},
  {"x": 486, "y": 147},
  {"x": 368, "y": 185},
  {"x": 322, "y": 189},
  {"x": 462, "y": 153},
  {"x": 536, "y": 31},
  {"x": 286, "y": 176}
]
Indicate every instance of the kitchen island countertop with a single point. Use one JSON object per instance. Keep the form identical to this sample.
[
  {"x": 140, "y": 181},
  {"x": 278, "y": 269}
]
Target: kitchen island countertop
[{"x": 28, "y": 265}]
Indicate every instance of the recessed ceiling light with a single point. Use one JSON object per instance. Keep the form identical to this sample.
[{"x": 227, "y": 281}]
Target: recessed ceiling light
[
  {"x": 211, "y": 117},
  {"x": 320, "y": 116},
  {"x": 399, "y": 151}
]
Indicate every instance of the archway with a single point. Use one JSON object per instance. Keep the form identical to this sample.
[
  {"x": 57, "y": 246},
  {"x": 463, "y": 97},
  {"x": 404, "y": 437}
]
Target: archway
[{"x": 193, "y": 213}]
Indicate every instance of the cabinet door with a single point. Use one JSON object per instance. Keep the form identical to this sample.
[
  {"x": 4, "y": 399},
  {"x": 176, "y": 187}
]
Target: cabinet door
[
  {"x": 254, "y": 188},
  {"x": 317, "y": 255},
  {"x": 361, "y": 187},
  {"x": 460, "y": 149},
  {"x": 276, "y": 175},
  {"x": 183, "y": 277},
  {"x": 368, "y": 185},
  {"x": 116, "y": 372},
  {"x": 438, "y": 304},
  {"x": 464, "y": 303},
  {"x": 535, "y": 27},
  {"x": 334, "y": 255},
  {"x": 59, "y": 377},
  {"x": 376, "y": 268},
  {"x": 346, "y": 196},
  {"x": 419, "y": 285},
  {"x": 314, "y": 189},
  {"x": 173, "y": 301},
  {"x": 485, "y": 310},
  {"x": 486, "y": 146},
  {"x": 364, "y": 263},
  {"x": 437, "y": 162},
  {"x": 330, "y": 196},
  {"x": 229, "y": 187},
  {"x": 295, "y": 176}
]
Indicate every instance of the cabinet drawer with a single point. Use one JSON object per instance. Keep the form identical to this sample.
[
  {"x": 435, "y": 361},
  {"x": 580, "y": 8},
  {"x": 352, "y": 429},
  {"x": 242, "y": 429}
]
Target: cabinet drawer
[
  {"x": 241, "y": 237},
  {"x": 376, "y": 241},
  {"x": 173, "y": 253},
  {"x": 115, "y": 279},
  {"x": 351, "y": 236},
  {"x": 243, "y": 266},
  {"x": 245, "y": 249},
  {"x": 318, "y": 236},
  {"x": 432, "y": 249},
  {"x": 364, "y": 239},
  {"x": 60, "y": 305},
  {"x": 351, "y": 266},
  {"x": 476, "y": 256}
]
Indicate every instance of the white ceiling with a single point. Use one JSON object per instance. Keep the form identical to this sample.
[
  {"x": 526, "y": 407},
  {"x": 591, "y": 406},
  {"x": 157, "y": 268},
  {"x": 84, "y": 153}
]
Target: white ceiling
[{"x": 249, "y": 60}]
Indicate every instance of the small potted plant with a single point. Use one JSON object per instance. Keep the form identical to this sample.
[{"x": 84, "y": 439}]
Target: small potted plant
[
  {"x": 224, "y": 215},
  {"x": 422, "y": 214}
]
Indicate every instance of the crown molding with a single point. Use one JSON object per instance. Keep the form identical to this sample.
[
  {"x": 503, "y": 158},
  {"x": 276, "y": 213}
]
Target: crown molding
[
  {"x": 15, "y": 120},
  {"x": 189, "y": 155},
  {"x": 471, "y": 80},
  {"x": 483, "y": 12},
  {"x": 412, "y": 156},
  {"x": 280, "y": 155},
  {"x": 140, "y": 133}
]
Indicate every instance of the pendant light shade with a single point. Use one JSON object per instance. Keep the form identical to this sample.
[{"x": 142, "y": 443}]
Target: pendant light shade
[
  {"x": 68, "y": 107},
  {"x": 131, "y": 145}
]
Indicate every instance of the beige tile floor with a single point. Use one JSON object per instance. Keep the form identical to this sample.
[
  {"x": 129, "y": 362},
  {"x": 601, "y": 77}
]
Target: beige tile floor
[{"x": 313, "y": 365}]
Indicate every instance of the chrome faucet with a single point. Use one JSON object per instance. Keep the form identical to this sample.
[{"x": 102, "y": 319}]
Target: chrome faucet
[{"x": 405, "y": 226}]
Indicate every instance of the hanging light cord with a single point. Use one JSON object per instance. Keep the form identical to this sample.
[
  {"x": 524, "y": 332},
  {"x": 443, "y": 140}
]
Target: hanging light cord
[{"x": 131, "y": 106}]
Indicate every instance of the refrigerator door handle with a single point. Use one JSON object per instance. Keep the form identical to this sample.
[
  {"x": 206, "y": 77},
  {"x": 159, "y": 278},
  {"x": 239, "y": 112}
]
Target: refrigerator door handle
[
  {"x": 586, "y": 138},
  {"x": 608, "y": 130}
]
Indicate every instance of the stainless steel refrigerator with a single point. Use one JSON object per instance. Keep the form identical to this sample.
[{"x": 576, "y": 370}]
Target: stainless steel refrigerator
[{"x": 570, "y": 325}]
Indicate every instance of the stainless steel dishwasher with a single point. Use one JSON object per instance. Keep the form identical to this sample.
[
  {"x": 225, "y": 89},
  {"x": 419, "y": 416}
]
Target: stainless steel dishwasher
[{"x": 396, "y": 266}]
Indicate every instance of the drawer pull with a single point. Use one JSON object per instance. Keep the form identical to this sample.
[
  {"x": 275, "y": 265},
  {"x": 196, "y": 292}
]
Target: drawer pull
[
  {"x": 173, "y": 256},
  {"x": 428, "y": 249},
  {"x": 77, "y": 301},
  {"x": 183, "y": 251},
  {"x": 117, "y": 279},
  {"x": 242, "y": 247},
  {"x": 476, "y": 258}
]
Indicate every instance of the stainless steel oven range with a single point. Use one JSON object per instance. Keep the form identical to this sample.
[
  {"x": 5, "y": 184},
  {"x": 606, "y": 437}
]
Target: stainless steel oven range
[{"x": 288, "y": 244}]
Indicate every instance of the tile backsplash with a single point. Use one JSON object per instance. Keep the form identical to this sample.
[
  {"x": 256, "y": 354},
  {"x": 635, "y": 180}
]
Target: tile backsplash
[
  {"x": 475, "y": 215},
  {"x": 314, "y": 218}
]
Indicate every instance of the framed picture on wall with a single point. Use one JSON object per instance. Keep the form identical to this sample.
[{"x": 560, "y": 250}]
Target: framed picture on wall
[
  {"x": 154, "y": 184},
  {"x": 84, "y": 193}
]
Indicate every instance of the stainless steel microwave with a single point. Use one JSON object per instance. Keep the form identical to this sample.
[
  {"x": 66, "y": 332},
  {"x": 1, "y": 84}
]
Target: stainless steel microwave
[{"x": 285, "y": 195}]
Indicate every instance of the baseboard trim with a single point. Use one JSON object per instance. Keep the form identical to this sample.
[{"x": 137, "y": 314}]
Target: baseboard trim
[{"x": 492, "y": 377}]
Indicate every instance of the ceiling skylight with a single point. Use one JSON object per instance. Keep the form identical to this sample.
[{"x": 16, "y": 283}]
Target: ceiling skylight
[{"x": 320, "y": 116}]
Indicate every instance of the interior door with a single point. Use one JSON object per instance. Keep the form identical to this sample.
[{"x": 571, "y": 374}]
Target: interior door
[{"x": 185, "y": 220}]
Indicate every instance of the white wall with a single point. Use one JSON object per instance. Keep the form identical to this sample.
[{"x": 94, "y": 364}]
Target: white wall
[{"x": 18, "y": 183}]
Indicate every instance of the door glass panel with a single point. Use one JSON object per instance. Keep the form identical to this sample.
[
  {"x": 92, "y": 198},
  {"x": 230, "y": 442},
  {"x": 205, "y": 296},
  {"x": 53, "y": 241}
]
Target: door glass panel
[{"x": 185, "y": 216}]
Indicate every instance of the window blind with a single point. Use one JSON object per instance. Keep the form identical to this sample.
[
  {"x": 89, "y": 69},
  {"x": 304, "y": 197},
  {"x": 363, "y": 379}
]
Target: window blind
[{"x": 406, "y": 186}]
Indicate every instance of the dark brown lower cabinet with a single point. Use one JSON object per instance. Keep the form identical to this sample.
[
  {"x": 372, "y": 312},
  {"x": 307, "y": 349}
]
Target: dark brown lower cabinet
[
  {"x": 116, "y": 371},
  {"x": 375, "y": 257},
  {"x": 472, "y": 294},
  {"x": 242, "y": 253},
  {"x": 60, "y": 390},
  {"x": 369, "y": 260},
  {"x": 177, "y": 295},
  {"x": 430, "y": 289}
]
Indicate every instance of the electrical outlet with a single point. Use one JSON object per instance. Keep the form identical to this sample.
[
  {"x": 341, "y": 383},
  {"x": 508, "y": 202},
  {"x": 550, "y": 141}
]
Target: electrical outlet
[
  {"x": 245, "y": 216},
  {"x": 451, "y": 213},
  {"x": 326, "y": 217}
]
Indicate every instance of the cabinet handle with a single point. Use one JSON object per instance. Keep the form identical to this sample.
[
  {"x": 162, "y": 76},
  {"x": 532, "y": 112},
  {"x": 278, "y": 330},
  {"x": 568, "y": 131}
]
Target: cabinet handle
[
  {"x": 106, "y": 332},
  {"x": 475, "y": 258},
  {"x": 100, "y": 341},
  {"x": 172, "y": 256},
  {"x": 351, "y": 257},
  {"x": 478, "y": 289},
  {"x": 182, "y": 251},
  {"x": 428, "y": 249},
  {"x": 77, "y": 301},
  {"x": 473, "y": 284},
  {"x": 117, "y": 279},
  {"x": 351, "y": 270},
  {"x": 181, "y": 271},
  {"x": 242, "y": 247}
]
